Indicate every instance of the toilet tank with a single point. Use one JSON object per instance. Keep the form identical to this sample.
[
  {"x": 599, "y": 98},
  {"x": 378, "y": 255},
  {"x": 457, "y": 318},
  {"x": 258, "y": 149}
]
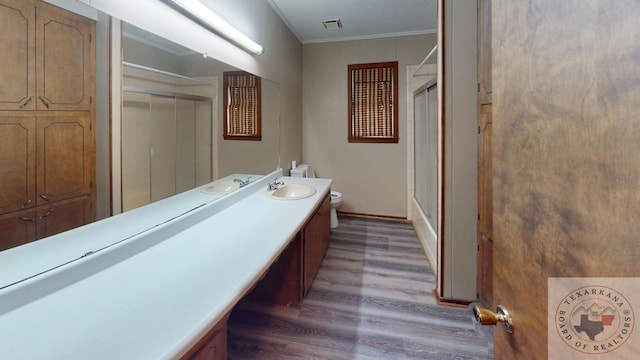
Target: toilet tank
[{"x": 299, "y": 171}]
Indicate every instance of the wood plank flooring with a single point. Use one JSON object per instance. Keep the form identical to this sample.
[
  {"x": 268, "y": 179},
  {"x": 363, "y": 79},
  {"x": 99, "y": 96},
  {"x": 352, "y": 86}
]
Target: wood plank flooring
[{"x": 372, "y": 299}]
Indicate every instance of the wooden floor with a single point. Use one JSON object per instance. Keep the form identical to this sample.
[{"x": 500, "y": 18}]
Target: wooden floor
[{"x": 372, "y": 299}]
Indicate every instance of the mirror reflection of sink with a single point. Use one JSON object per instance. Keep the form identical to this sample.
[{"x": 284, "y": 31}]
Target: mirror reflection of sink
[
  {"x": 292, "y": 192},
  {"x": 221, "y": 187}
]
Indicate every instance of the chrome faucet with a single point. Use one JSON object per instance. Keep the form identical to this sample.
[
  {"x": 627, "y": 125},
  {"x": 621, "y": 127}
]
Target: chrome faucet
[
  {"x": 274, "y": 185},
  {"x": 243, "y": 183}
]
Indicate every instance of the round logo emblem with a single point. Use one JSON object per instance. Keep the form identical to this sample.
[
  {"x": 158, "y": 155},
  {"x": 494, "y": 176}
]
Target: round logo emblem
[{"x": 594, "y": 319}]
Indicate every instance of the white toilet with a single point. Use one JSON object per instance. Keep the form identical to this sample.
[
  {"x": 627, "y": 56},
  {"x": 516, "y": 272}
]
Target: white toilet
[{"x": 304, "y": 170}]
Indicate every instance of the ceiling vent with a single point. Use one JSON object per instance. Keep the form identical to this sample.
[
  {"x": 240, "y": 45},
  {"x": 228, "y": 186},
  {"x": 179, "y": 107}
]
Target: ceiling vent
[{"x": 332, "y": 24}]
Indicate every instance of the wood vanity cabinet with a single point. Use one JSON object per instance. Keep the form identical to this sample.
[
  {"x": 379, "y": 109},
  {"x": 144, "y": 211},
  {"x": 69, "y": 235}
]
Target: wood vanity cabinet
[
  {"x": 315, "y": 238},
  {"x": 213, "y": 346},
  {"x": 47, "y": 117},
  {"x": 290, "y": 277}
]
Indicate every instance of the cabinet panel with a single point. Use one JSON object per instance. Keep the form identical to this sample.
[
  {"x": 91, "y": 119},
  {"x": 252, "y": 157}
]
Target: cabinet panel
[
  {"x": 282, "y": 284},
  {"x": 212, "y": 346},
  {"x": 17, "y": 163},
  {"x": 64, "y": 216},
  {"x": 316, "y": 236},
  {"x": 64, "y": 157},
  {"x": 17, "y": 63},
  {"x": 17, "y": 229},
  {"x": 64, "y": 59}
]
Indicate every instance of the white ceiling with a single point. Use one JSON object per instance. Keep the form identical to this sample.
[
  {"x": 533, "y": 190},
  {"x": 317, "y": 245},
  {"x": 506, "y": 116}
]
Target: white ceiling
[{"x": 361, "y": 19}]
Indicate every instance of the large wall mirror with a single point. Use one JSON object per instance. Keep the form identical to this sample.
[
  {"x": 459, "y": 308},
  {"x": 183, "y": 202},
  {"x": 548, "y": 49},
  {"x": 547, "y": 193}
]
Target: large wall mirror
[
  {"x": 172, "y": 121},
  {"x": 170, "y": 135}
]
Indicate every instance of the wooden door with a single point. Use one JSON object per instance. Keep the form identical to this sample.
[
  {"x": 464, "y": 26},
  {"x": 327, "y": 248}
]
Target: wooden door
[
  {"x": 485, "y": 175},
  {"x": 17, "y": 163},
  {"x": 485, "y": 208},
  {"x": 64, "y": 157},
  {"x": 17, "y": 229},
  {"x": 17, "y": 61},
  {"x": 64, "y": 59},
  {"x": 63, "y": 216},
  {"x": 566, "y": 154}
]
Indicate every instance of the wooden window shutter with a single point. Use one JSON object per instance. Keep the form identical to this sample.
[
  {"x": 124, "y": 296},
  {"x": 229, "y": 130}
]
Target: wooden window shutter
[
  {"x": 242, "y": 106},
  {"x": 373, "y": 97}
]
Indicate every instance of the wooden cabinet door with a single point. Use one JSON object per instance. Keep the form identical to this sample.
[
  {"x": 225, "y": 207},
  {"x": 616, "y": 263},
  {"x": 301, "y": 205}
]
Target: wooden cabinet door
[
  {"x": 17, "y": 63},
  {"x": 64, "y": 59},
  {"x": 17, "y": 229},
  {"x": 64, "y": 216},
  {"x": 316, "y": 235},
  {"x": 17, "y": 163},
  {"x": 64, "y": 157}
]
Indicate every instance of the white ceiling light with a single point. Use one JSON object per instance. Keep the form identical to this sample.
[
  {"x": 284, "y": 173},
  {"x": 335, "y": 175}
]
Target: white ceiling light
[{"x": 201, "y": 14}]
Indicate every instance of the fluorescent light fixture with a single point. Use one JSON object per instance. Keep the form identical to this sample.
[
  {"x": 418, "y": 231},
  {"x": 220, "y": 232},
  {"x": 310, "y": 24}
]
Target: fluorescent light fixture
[{"x": 201, "y": 14}]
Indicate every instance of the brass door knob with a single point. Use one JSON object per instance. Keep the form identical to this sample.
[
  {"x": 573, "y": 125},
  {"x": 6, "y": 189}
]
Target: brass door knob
[{"x": 484, "y": 316}]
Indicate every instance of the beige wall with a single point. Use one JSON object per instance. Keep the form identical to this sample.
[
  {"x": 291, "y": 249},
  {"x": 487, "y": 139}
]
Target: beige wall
[{"x": 371, "y": 177}]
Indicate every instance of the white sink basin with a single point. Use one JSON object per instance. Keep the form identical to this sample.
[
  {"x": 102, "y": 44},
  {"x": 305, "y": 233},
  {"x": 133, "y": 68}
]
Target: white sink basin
[
  {"x": 221, "y": 187},
  {"x": 292, "y": 192}
]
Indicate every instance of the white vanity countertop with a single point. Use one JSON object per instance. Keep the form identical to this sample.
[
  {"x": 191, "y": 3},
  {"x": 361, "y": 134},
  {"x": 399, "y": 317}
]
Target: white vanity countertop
[
  {"x": 184, "y": 277},
  {"x": 59, "y": 249}
]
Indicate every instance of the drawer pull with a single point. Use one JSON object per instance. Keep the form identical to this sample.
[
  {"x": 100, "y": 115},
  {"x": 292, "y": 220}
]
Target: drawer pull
[
  {"x": 45, "y": 197},
  {"x": 25, "y": 219},
  {"x": 46, "y": 214},
  {"x": 26, "y": 204}
]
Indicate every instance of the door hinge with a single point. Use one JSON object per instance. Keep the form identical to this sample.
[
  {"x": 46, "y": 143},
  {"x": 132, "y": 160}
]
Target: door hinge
[
  {"x": 478, "y": 129},
  {"x": 478, "y": 87}
]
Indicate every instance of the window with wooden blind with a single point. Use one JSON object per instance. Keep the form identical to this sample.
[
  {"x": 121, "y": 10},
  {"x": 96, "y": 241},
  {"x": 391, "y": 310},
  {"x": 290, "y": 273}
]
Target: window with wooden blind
[
  {"x": 242, "y": 106},
  {"x": 373, "y": 97}
]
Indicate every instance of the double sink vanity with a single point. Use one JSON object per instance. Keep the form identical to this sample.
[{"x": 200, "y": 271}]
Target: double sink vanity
[{"x": 159, "y": 282}]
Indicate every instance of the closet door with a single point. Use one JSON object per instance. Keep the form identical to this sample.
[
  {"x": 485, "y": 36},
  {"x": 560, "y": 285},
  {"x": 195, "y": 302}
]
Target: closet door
[
  {"x": 163, "y": 147},
  {"x": 64, "y": 157},
  {"x": 64, "y": 59},
  {"x": 136, "y": 141},
  {"x": 17, "y": 63},
  {"x": 63, "y": 216},
  {"x": 17, "y": 163},
  {"x": 185, "y": 144},
  {"x": 204, "y": 146},
  {"x": 17, "y": 229}
]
